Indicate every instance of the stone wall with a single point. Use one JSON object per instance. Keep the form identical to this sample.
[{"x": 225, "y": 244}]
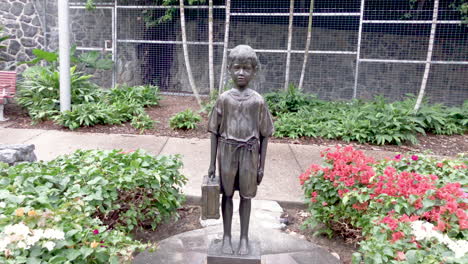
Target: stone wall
[{"x": 24, "y": 25}]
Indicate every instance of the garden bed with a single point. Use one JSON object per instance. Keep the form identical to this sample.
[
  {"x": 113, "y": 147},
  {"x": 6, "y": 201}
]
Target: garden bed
[{"x": 170, "y": 105}]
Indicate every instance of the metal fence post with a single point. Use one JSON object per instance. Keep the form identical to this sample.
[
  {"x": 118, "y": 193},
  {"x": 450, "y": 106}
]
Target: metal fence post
[
  {"x": 64, "y": 55},
  {"x": 114, "y": 44}
]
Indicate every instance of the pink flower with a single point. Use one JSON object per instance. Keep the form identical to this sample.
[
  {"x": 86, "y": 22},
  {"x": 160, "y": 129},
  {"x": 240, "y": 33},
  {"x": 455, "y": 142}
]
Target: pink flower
[
  {"x": 398, "y": 157},
  {"x": 95, "y": 231},
  {"x": 324, "y": 203},
  {"x": 400, "y": 256},
  {"x": 414, "y": 157},
  {"x": 440, "y": 164}
]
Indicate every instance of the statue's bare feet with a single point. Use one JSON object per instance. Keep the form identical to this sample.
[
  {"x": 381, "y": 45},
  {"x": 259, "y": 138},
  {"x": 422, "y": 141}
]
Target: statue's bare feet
[
  {"x": 227, "y": 246},
  {"x": 243, "y": 247}
]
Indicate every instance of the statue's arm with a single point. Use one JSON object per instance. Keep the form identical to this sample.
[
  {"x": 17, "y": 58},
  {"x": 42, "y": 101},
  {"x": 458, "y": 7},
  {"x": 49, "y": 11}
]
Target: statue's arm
[
  {"x": 263, "y": 150},
  {"x": 214, "y": 150}
]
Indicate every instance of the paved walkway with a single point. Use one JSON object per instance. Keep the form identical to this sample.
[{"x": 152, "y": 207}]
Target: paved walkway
[
  {"x": 276, "y": 247},
  {"x": 284, "y": 164}
]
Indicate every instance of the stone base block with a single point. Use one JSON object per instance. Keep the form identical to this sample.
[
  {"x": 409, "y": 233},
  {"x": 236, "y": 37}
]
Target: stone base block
[{"x": 215, "y": 256}]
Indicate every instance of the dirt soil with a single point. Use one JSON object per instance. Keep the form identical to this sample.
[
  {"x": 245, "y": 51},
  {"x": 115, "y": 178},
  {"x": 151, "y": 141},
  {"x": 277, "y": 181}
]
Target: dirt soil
[
  {"x": 171, "y": 104},
  {"x": 189, "y": 220}
]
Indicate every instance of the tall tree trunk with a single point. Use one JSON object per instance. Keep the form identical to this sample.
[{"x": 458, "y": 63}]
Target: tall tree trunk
[
  {"x": 210, "y": 47},
  {"x": 309, "y": 37},
  {"x": 186, "y": 56},
  {"x": 226, "y": 42},
  {"x": 429, "y": 57},
  {"x": 288, "y": 59}
]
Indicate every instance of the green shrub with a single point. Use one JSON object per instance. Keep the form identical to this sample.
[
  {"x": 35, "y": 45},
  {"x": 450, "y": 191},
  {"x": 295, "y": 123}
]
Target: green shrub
[
  {"x": 39, "y": 91},
  {"x": 377, "y": 121},
  {"x": 92, "y": 199},
  {"x": 185, "y": 120},
  {"x": 39, "y": 94},
  {"x": 290, "y": 101},
  {"x": 383, "y": 204},
  {"x": 142, "y": 122}
]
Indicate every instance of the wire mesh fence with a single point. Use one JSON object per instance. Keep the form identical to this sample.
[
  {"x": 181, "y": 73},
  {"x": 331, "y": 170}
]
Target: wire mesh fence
[{"x": 359, "y": 48}]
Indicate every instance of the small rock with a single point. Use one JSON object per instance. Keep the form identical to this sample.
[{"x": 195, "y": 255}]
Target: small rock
[
  {"x": 336, "y": 255},
  {"x": 304, "y": 214}
]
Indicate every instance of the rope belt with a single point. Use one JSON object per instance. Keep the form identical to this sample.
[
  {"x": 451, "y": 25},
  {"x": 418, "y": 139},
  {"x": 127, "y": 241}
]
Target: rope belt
[{"x": 249, "y": 145}]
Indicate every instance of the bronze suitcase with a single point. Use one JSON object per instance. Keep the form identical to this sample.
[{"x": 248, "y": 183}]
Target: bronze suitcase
[{"x": 210, "y": 198}]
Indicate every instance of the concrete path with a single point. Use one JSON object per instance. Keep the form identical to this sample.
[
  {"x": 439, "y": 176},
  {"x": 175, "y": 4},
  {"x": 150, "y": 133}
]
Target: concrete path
[
  {"x": 277, "y": 247},
  {"x": 285, "y": 162}
]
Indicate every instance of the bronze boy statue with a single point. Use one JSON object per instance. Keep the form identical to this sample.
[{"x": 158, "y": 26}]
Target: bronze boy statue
[{"x": 240, "y": 124}]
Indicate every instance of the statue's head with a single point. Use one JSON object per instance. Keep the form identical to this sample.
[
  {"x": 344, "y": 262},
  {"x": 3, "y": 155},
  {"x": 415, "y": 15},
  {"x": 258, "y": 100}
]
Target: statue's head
[{"x": 242, "y": 65}]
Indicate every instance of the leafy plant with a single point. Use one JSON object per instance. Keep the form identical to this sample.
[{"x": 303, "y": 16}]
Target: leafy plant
[
  {"x": 290, "y": 101},
  {"x": 86, "y": 205},
  {"x": 377, "y": 121},
  {"x": 185, "y": 120},
  {"x": 3, "y": 38},
  {"x": 39, "y": 91},
  {"x": 143, "y": 122},
  {"x": 89, "y": 59},
  {"x": 39, "y": 94}
]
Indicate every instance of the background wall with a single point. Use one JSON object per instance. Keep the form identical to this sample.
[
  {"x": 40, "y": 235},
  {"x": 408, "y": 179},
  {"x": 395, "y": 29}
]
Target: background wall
[{"x": 33, "y": 24}]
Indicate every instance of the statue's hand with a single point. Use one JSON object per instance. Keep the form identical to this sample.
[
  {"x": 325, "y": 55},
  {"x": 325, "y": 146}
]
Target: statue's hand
[
  {"x": 259, "y": 176},
  {"x": 212, "y": 171}
]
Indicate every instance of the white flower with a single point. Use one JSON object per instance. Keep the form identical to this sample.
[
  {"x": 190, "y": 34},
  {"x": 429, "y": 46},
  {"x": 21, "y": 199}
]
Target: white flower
[
  {"x": 54, "y": 234},
  {"x": 31, "y": 240},
  {"x": 424, "y": 230},
  {"x": 2, "y": 204},
  {"x": 18, "y": 229},
  {"x": 49, "y": 245},
  {"x": 22, "y": 245},
  {"x": 4, "y": 243}
]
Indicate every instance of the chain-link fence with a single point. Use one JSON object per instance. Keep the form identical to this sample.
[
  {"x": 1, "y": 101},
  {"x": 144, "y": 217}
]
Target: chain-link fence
[{"x": 358, "y": 48}]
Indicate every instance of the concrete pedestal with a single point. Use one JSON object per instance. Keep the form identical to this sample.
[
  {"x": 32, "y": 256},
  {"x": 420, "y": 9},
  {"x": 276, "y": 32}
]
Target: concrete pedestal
[{"x": 215, "y": 256}]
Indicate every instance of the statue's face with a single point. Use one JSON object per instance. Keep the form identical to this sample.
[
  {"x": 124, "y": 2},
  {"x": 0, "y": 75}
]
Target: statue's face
[{"x": 242, "y": 72}]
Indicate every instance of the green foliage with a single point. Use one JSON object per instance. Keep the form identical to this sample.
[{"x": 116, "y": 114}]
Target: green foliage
[
  {"x": 187, "y": 119},
  {"x": 117, "y": 105},
  {"x": 3, "y": 38},
  {"x": 89, "y": 59},
  {"x": 377, "y": 121},
  {"x": 207, "y": 106},
  {"x": 290, "y": 101},
  {"x": 96, "y": 198},
  {"x": 39, "y": 94},
  {"x": 149, "y": 16},
  {"x": 143, "y": 122},
  {"x": 39, "y": 91}
]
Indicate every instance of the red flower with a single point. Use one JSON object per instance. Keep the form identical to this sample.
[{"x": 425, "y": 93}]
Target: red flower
[
  {"x": 397, "y": 236},
  {"x": 440, "y": 164},
  {"x": 414, "y": 157},
  {"x": 398, "y": 157},
  {"x": 95, "y": 231}
]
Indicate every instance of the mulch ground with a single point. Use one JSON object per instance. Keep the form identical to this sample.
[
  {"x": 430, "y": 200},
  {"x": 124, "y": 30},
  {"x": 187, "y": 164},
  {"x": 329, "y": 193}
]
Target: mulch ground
[{"x": 170, "y": 105}]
